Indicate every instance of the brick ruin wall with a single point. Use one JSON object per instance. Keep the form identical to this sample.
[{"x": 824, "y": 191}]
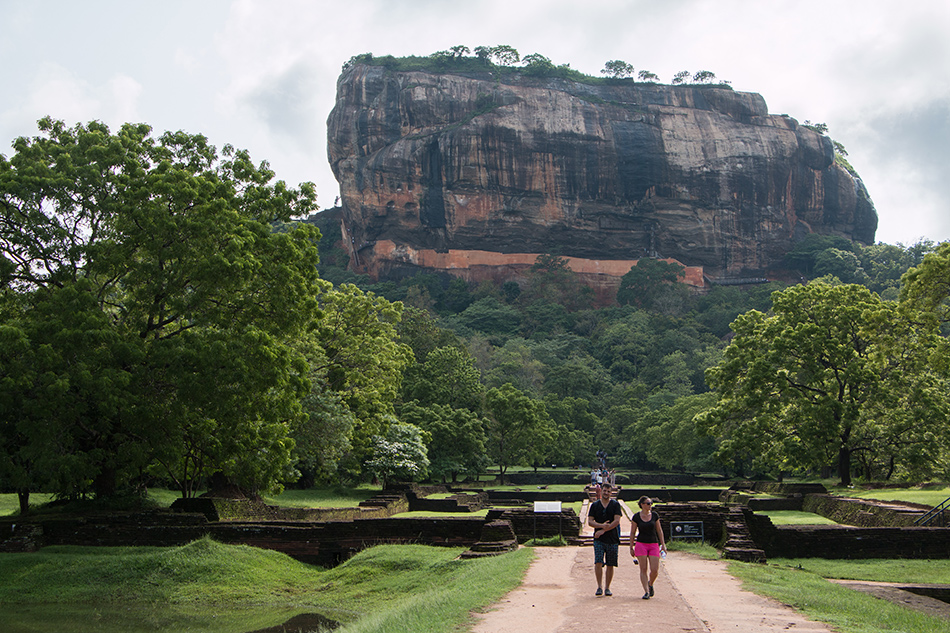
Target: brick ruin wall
[{"x": 335, "y": 538}]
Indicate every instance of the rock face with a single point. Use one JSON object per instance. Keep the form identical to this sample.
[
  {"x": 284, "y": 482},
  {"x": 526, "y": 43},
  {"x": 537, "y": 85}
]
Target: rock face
[{"x": 450, "y": 163}]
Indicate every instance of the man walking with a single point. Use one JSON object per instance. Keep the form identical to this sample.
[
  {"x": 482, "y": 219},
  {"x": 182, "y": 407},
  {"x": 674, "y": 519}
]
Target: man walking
[{"x": 604, "y": 516}]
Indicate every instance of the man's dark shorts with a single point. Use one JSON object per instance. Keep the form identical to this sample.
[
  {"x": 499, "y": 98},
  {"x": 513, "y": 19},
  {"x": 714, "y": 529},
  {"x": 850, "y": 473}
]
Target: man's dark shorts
[{"x": 605, "y": 550}]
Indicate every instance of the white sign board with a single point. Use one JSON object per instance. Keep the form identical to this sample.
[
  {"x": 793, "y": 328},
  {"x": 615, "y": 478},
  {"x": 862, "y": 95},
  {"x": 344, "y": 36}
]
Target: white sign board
[{"x": 547, "y": 506}]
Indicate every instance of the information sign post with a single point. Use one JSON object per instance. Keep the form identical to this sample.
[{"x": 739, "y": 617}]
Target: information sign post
[{"x": 687, "y": 529}]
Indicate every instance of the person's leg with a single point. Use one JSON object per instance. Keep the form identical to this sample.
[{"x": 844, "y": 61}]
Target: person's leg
[
  {"x": 599, "y": 565},
  {"x": 611, "y": 552},
  {"x": 654, "y": 571},
  {"x": 644, "y": 579}
]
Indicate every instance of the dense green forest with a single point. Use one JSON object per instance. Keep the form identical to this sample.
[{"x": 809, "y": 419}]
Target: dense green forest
[
  {"x": 630, "y": 378},
  {"x": 165, "y": 319}
]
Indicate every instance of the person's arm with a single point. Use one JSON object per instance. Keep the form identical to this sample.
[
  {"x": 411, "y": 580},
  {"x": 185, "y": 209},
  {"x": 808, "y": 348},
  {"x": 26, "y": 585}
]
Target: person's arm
[
  {"x": 597, "y": 525},
  {"x": 659, "y": 535},
  {"x": 606, "y": 527}
]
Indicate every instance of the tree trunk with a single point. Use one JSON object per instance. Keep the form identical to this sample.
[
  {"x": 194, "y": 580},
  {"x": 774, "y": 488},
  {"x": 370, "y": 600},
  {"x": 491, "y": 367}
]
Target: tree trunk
[
  {"x": 23, "y": 495},
  {"x": 844, "y": 465},
  {"x": 104, "y": 484}
]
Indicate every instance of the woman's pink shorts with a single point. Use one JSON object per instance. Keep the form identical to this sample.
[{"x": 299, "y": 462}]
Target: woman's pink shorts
[{"x": 646, "y": 549}]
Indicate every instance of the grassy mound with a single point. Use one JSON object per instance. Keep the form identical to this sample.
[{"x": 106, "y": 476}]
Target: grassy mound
[{"x": 385, "y": 588}]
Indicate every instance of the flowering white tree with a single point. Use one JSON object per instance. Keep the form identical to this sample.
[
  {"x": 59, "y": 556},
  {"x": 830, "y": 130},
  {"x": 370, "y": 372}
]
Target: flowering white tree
[{"x": 401, "y": 455}]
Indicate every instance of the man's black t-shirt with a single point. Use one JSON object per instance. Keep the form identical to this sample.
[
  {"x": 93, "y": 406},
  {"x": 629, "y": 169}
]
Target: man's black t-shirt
[{"x": 606, "y": 514}]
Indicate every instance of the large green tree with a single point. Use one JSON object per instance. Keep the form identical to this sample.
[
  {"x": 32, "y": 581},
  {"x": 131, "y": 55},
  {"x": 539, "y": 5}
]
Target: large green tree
[
  {"x": 400, "y": 454},
  {"x": 448, "y": 376},
  {"x": 151, "y": 285},
  {"x": 926, "y": 287},
  {"x": 670, "y": 438},
  {"x": 457, "y": 438},
  {"x": 520, "y": 430},
  {"x": 650, "y": 282},
  {"x": 551, "y": 280},
  {"x": 617, "y": 69},
  {"x": 356, "y": 354},
  {"x": 834, "y": 372}
]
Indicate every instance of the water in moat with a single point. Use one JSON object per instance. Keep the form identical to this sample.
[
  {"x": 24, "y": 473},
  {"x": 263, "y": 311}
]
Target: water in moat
[{"x": 159, "y": 619}]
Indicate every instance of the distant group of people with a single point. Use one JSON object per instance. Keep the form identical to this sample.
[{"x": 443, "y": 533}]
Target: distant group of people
[
  {"x": 599, "y": 476},
  {"x": 647, "y": 542}
]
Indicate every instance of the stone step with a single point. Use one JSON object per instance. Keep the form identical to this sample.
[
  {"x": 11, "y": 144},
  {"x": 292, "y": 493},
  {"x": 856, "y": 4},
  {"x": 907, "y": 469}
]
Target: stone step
[
  {"x": 490, "y": 548},
  {"x": 495, "y": 546},
  {"x": 748, "y": 555}
]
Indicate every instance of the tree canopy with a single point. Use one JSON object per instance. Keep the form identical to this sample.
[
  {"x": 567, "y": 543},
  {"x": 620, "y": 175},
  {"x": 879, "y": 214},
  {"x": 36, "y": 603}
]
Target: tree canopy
[
  {"x": 144, "y": 283},
  {"x": 162, "y": 316},
  {"x": 648, "y": 282},
  {"x": 835, "y": 372}
]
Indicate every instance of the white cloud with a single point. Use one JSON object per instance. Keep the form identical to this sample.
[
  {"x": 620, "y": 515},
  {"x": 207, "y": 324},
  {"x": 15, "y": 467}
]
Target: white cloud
[
  {"x": 60, "y": 94},
  {"x": 124, "y": 97},
  {"x": 262, "y": 75}
]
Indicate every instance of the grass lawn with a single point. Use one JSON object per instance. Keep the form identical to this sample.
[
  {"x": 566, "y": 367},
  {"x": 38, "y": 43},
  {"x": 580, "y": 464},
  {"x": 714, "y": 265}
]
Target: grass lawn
[
  {"x": 795, "y": 517},
  {"x": 10, "y": 503},
  {"x": 846, "y": 610},
  {"x": 162, "y": 497},
  {"x": 693, "y": 547},
  {"x": 879, "y": 570},
  {"x": 324, "y": 497},
  {"x": 381, "y": 589},
  {"x": 577, "y": 488},
  {"x": 925, "y": 495},
  {"x": 425, "y": 513}
]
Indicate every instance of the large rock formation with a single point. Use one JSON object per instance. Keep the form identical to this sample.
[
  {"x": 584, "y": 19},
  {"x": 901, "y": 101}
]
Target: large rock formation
[{"x": 433, "y": 167}]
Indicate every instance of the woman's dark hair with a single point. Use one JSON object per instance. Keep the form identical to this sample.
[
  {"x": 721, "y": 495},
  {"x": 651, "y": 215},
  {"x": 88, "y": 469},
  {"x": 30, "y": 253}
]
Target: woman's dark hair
[{"x": 644, "y": 499}]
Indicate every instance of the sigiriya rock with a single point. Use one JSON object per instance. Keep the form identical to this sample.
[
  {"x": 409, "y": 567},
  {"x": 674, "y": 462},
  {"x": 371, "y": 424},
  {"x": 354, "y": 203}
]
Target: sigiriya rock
[{"x": 481, "y": 172}]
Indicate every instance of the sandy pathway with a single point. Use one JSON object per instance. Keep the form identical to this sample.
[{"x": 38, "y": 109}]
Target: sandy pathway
[{"x": 692, "y": 594}]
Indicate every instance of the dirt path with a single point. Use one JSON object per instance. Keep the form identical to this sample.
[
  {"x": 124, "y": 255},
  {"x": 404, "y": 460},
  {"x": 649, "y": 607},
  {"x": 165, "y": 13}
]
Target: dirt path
[{"x": 692, "y": 594}]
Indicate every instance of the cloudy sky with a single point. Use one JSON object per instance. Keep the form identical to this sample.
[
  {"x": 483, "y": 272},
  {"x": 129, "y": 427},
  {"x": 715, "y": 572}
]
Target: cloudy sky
[{"x": 261, "y": 75}]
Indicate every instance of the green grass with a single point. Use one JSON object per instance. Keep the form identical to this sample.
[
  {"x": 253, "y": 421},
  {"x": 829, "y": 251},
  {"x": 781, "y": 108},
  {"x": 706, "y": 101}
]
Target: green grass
[
  {"x": 550, "y": 541},
  {"x": 481, "y": 514},
  {"x": 163, "y": 497},
  {"x": 693, "y": 547},
  {"x": 202, "y": 572},
  {"x": 925, "y": 495},
  {"x": 795, "y": 517},
  {"x": 575, "y": 488},
  {"x": 573, "y": 505},
  {"x": 10, "y": 503},
  {"x": 875, "y": 569},
  {"x": 438, "y": 598},
  {"x": 846, "y": 610},
  {"x": 579, "y": 488},
  {"x": 386, "y": 588},
  {"x": 324, "y": 497}
]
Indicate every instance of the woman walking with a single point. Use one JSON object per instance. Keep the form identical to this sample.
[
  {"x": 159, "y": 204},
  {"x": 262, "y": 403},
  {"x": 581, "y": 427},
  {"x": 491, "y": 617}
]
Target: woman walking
[{"x": 648, "y": 545}]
